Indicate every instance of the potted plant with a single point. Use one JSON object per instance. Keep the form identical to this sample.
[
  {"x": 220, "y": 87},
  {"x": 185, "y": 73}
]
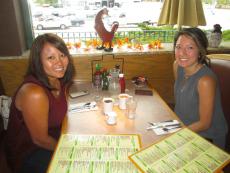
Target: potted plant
[{"x": 215, "y": 36}]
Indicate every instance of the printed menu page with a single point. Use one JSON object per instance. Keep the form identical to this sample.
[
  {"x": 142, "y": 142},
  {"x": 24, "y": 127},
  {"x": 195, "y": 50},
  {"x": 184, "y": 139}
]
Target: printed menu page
[
  {"x": 95, "y": 154},
  {"x": 181, "y": 152}
]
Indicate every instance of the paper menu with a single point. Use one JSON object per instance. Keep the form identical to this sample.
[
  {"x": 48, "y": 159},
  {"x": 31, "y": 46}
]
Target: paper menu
[
  {"x": 181, "y": 152},
  {"x": 94, "y": 153}
]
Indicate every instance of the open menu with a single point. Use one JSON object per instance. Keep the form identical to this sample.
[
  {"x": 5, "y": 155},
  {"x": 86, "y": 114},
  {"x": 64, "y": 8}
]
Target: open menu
[
  {"x": 94, "y": 154},
  {"x": 181, "y": 152}
]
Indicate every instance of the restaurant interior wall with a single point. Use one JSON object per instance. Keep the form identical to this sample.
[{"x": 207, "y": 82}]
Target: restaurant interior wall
[
  {"x": 157, "y": 68},
  {"x": 12, "y": 42},
  {"x": 13, "y": 46}
]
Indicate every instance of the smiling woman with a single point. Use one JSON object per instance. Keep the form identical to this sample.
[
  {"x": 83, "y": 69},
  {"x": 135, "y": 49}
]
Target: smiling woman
[
  {"x": 39, "y": 106},
  {"x": 196, "y": 89}
]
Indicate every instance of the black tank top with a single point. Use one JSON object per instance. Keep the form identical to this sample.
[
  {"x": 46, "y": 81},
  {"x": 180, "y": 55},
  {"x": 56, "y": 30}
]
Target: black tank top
[{"x": 18, "y": 140}]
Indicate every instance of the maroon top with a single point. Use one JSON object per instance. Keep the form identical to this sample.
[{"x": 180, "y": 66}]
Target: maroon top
[{"x": 18, "y": 141}]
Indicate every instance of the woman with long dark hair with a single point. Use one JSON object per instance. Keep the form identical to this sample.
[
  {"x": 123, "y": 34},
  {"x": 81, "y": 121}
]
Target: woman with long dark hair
[
  {"x": 196, "y": 89},
  {"x": 39, "y": 106}
]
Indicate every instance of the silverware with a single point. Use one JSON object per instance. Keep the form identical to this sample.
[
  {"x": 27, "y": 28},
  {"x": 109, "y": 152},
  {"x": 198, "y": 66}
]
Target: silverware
[
  {"x": 85, "y": 106},
  {"x": 163, "y": 126},
  {"x": 168, "y": 129},
  {"x": 155, "y": 124}
]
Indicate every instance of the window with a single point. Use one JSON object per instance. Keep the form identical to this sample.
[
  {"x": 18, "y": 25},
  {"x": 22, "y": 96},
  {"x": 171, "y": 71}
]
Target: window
[{"x": 74, "y": 19}]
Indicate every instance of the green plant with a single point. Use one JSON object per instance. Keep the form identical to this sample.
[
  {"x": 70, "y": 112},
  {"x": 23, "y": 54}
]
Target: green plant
[
  {"x": 226, "y": 35},
  {"x": 144, "y": 26},
  {"x": 50, "y": 2},
  {"x": 164, "y": 33}
]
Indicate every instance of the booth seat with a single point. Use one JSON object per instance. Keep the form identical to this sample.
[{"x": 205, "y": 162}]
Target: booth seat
[
  {"x": 3, "y": 163},
  {"x": 220, "y": 64}
]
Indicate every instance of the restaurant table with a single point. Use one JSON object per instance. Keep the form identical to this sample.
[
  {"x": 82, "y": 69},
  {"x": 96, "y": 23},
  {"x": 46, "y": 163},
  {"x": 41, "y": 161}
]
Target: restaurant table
[{"x": 149, "y": 109}]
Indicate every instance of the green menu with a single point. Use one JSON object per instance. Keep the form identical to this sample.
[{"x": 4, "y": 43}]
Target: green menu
[
  {"x": 94, "y": 154},
  {"x": 181, "y": 152}
]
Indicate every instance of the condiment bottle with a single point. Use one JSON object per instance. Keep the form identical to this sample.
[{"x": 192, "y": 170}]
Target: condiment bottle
[
  {"x": 105, "y": 81},
  {"x": 122, "y": 82},
  {"x": 97, "y": 76}
]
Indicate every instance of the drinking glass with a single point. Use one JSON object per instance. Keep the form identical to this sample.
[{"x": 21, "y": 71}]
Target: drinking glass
[
  {"x": 131, "y": 106},
  {"x": 97, "y": 92},
  {"x": 114, "y": 85}
]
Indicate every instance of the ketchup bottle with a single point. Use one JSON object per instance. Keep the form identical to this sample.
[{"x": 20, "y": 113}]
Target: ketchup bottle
[{"x": 122, "y": 82}]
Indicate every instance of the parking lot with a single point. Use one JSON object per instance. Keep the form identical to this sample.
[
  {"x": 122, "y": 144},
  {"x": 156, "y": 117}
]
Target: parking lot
[{"x": 133, "y": 14}]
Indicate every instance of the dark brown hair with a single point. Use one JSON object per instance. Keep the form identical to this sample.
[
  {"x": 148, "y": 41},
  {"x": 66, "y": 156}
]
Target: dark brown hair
[
  {"x": 199, "y": 37},
  {"x": 35, "y": 67}
]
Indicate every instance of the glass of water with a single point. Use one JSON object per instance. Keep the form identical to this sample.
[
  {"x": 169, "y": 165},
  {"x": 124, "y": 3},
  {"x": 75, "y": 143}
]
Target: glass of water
[{"x": 131, "y": 106}]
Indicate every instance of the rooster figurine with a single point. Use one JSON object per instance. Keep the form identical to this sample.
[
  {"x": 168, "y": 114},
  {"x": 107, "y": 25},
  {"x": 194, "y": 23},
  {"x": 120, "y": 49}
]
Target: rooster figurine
[{"x": 106, "y": 36}]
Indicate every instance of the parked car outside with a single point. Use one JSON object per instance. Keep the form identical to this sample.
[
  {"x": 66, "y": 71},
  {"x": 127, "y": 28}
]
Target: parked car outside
[
  {"x": 77, "y": 21},
  {"x": 52, "y": 22}
]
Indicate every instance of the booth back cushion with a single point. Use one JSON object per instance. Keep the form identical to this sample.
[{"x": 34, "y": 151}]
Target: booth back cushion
[{"x": 222, "y": 69}]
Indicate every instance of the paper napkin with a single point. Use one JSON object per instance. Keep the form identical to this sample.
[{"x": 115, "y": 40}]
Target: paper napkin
[
  {"x": 165, "y": 127},
  {"x": 83, "y": 107}
]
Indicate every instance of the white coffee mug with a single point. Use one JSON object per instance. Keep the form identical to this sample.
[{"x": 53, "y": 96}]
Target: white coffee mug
[
  {"x": 122, "y": 100},
  {"x": 108, "y": 105},
  {"x": 112, "y": 118}
]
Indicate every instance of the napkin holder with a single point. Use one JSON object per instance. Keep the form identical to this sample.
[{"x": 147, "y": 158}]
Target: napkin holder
[{"x": 146, "y": 92}]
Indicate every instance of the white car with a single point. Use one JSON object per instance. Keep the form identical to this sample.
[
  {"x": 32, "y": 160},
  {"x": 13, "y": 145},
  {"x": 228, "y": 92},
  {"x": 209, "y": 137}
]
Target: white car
[{"x": 52, "y": 22}]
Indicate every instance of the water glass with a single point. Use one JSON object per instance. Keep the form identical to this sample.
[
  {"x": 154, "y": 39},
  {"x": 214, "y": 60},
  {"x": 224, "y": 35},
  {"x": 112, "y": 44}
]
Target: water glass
[
  {"x": 131, "y": 106},
  {"x": 97, "y": 93}
]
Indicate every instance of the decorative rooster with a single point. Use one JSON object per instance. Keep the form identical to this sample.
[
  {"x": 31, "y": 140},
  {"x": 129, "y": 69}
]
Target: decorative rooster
[{"x": 106, "y": 36}]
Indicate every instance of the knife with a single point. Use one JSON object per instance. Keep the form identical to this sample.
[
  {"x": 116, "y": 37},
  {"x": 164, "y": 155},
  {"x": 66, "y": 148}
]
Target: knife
[
  {"x": 163, "y": 126},
  {"x": 168, "y": 129},
  {"x": 155, "y": 124}
]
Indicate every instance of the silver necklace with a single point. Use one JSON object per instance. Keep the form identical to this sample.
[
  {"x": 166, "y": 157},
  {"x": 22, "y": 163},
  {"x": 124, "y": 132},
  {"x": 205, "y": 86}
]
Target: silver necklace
[
  {"x": 186, "y": 78},
  {"x": 184, "y": 82}
]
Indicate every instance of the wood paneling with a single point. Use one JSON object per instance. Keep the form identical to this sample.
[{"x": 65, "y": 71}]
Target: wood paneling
[
  {"x": 12, "y": 72},
  {"x": 156, "y": 67}
]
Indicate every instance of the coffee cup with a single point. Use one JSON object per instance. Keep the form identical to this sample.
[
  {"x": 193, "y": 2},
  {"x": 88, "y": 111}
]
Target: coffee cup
[
  {"x": 122, "y": 100},
  {"x": 108, "y": 105},
  {"x": 111, "y": 118}
]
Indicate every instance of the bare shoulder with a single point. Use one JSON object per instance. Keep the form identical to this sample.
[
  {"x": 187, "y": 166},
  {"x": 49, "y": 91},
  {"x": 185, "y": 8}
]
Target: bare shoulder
[
  {"x": 29, "y": 94},
  {"x": 206, "y": 82}
]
